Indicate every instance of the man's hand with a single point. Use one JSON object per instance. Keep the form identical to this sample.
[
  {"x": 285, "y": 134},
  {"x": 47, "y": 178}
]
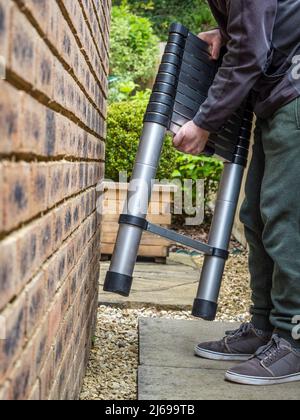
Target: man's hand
[
  {"x": 214, "y": 40},
  {"x": 191, "y": 139}
]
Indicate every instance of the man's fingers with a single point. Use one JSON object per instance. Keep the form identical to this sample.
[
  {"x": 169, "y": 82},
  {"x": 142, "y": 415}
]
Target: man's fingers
[
  {"x": 215, "y": 51},
  {"x": 203, "y": 36},
  {"x": 178, "y": 139}
]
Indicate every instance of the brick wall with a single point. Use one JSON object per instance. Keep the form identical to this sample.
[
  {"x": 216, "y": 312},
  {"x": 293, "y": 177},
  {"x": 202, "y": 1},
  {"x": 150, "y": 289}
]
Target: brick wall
[{"x": 52, "y": 130}]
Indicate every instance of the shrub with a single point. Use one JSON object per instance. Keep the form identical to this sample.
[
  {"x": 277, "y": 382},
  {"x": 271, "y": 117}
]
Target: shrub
[
  {"x": 134, "y": 46},
  {"x": 121, "y": 90},
  {"x": 199, "y": 167},
  {"x": 125, "y": 123},
  {"x": 195, "y": 14}
]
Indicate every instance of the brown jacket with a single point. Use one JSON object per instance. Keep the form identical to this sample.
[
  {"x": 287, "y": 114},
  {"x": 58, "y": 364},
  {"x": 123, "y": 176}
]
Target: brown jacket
[{"x": 263, "y": 57}]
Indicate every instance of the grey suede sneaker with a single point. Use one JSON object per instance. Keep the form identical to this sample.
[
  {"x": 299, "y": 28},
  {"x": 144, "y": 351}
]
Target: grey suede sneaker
[
  {"x": 237, "y": 345},
  {"x": 276, "y": 363}
]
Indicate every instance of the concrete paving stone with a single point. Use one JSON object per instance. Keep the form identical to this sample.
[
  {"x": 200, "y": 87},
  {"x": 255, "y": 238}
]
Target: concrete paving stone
[
  {"x": 170, "y": 285},
  {"x": 168, "y": 384},
  {"x": 169, "y": 370},
  {"x": 171, "y": 343}
]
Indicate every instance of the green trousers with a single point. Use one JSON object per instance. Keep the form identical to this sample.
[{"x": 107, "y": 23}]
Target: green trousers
[{"x": 271, "y": 215}]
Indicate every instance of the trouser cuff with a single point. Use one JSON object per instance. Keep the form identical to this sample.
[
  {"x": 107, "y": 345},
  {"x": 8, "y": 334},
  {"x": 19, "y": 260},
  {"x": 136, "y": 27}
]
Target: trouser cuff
[
  {"x": 262, "y": 322},
  {"x": 288, "y": 337}
]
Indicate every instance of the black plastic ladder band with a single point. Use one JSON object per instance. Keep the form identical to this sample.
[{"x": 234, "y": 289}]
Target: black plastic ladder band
[{"x": 143, "y": 224}]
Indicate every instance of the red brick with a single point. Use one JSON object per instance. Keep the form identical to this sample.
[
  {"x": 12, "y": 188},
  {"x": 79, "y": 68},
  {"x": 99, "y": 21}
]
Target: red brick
[
  {"x": 15, "y": 320},
  {"x": 5, "y": 8},
  {"x": 47, "y": 376},
  {"x": 67, "y": 219},
  {"x": 50, "y": 134},
  {"x": 32, "y": 126},
  {"x": 44, "y": 73},
  {"x": 23, "y": 375},
  {"x": 64, "y": 131},
  {"x": 34, "y": 244},
  {"x": 68, "y": 325},
  {"x": 1, "y": 201},
  {"x": 59, "y": 92},
  {"x": 70, "y": 94},
  {"x": 39, "y": 187},
  {"x": 6, "y": 392},
  {"x": 53, "y": 22},
  {"x": 36, "y": 302},
  {"x": 54, "y": 392},
  {"x": 74, "y": 280},
  {"x": 35, "y": 393},
  {"x": 9, "y": 275},
  {"x": 16, "y": 199},
  {"x": 40, "y": 345},
  {"x": 58, "y": 227},
  {"x": 68, "y": 392},
  {"x": 59, "y": 348},
  {"x": 55, "y": 318},
  {"x": 60, "y": 289},
  {"x": 56, "y": 271},
  {"x": 77, "y": 213},
  {"x": 65, "y": 304},
  {"x": 63, "y": 373},
  {"x": 56, "y": 172},
  {"x": 22, "y": 47},
  {"x": 10, "y": 100},
  {"x": 45, "y": 239},
  {"x": 39, "y": 9},
  {"x": 67, "y": 45},
  {"x": 28, "y": 253},
  {"x": 75, "y": 182}
]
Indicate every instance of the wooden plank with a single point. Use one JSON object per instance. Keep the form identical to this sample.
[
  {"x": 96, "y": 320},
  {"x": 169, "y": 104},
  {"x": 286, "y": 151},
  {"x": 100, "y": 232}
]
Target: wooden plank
[
  {"x": 144, "y": 251},
  {"x": 161, "y": 193},
  {"x": 147, "y": 239},
  {"x": 117, "y": 206}
]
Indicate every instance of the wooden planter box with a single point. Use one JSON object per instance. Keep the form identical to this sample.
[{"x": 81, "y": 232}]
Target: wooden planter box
[{"x": 159, "y": 213}]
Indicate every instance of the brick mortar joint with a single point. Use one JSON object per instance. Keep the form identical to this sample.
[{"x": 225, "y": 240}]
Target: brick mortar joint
[
  {"x": 20, "y": 84},
  {"x": 29, "y": 341},
  {"x": 78, "y": 40},
  {"x": 24, "y": 225},
  {"x": 32, "y": 158},
  {"x": 51, "y": 303},
  {"x": 104, "y": 14},
  {"x": 90, "y": 27},
  {"x": 99, "y": 26},
  {"x": 22, "y": 7}
]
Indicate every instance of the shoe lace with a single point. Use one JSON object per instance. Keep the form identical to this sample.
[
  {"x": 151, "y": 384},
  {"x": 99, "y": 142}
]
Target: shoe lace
[
  {"x": 270, "y": 351},
  {"x": 242, "y": 331}
]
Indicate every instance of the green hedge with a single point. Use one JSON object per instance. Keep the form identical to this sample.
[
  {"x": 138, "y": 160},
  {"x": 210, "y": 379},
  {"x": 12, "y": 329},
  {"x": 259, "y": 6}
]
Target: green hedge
[
  {"x": 199, "y": 167},
  {"x": 125, "y": 123},
  {"x": 134, "y": 46},
  {"x": 195, "y": 14}
]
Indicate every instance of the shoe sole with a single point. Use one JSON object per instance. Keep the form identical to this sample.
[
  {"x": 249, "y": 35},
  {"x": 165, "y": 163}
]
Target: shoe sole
[
  {"x": 256, "y": 381},
  {"x": 211, "y": 355}
]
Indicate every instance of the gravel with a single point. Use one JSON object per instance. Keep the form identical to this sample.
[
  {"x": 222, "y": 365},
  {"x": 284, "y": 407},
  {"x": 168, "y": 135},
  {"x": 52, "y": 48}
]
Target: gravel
[{"x": 112, "y": 369}]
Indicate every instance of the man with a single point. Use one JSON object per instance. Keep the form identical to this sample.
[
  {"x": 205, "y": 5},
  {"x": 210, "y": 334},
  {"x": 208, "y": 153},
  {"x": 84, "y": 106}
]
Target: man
[{"x": 263, "y": 44}]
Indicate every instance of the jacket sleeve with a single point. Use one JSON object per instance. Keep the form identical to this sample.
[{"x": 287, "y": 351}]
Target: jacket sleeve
[{"x": 249, "y": 29}]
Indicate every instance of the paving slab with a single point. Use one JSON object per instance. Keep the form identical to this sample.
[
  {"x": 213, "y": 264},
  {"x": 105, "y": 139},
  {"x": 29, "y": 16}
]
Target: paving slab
[
  {"x": 170, "y": 285},
  {"x": 171, "y": 343},
  {"x": 169, "y": 370}
]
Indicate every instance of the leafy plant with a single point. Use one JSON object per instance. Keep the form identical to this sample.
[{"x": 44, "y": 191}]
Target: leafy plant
[
  {"x": 134, "y": 46},
  {"x": 121, "y": 90},
  {"x": 195, "y": 14},
  {"x": 125, "y": 123},
  {"x": 199, "y": 167}
]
